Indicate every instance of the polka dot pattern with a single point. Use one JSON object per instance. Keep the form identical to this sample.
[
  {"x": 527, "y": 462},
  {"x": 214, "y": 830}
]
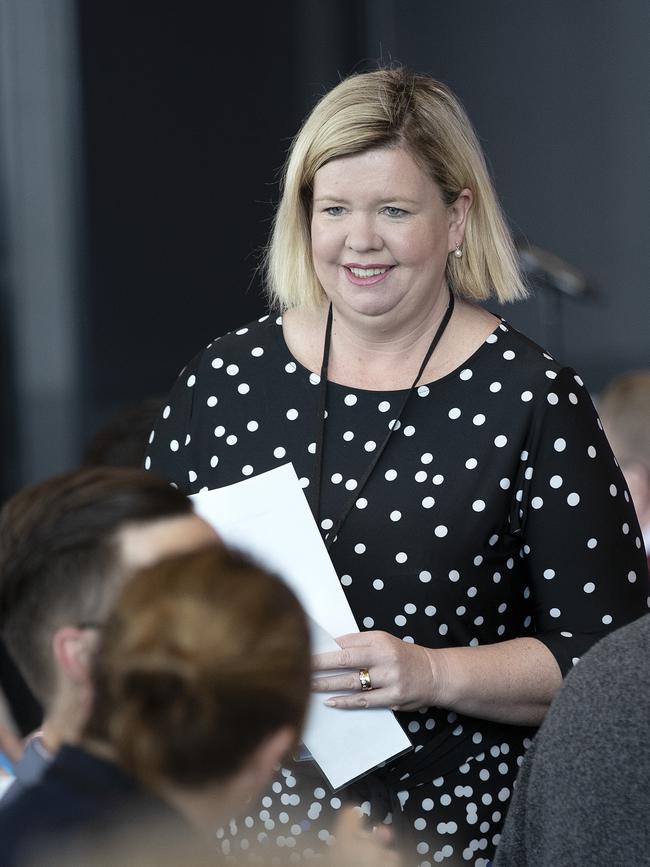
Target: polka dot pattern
[
  {"x": 456, "y": 822},
  {"x": 489, "y": 516}
]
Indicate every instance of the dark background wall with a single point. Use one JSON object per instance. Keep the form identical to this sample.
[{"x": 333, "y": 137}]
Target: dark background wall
[
  {"x": 187, "y": 121},
  {"x": 185, "y": 115}
]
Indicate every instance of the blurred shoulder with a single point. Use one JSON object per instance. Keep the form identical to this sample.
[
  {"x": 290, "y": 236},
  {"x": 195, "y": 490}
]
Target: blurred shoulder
[
  {"x": 613, "y": 676},
  {"x": 624, "y": 650}
]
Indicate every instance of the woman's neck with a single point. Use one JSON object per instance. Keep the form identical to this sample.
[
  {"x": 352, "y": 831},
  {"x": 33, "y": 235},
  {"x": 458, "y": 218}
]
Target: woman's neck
[{"x": 374, "y": 353}]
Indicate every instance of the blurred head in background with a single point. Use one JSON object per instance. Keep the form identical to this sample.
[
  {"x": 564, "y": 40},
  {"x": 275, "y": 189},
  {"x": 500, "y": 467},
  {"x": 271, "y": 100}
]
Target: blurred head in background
[
  {"x": 122, "y": 440},
  {"x": 624, "y": 408}
]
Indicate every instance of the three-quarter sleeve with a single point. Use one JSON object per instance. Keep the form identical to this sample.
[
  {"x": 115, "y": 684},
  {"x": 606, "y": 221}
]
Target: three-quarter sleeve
[{"x": 586, "y": 562}]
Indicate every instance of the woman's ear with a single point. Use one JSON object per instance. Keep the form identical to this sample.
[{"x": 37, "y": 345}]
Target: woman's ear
[{"x": 458, "y": 212}]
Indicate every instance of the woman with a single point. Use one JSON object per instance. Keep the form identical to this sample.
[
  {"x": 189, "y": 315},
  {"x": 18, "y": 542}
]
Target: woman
[
  {"x": 201, "y": 682},
  {"x": 469, "y": 499}
]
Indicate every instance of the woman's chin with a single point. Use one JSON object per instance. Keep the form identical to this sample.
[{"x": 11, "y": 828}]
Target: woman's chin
[{"x": 364, "y": 304}]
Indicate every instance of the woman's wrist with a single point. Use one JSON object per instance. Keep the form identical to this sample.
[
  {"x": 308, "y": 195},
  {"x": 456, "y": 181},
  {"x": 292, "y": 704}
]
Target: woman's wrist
[{"x": 446, "y": 678}]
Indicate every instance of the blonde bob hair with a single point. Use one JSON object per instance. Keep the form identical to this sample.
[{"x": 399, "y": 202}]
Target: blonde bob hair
[{"x": 392, "y": 107}]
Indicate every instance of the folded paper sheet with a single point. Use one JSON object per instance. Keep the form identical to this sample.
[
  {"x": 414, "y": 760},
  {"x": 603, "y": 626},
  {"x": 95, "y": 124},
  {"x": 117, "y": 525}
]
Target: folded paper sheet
[{"x": 268, "y": 517}]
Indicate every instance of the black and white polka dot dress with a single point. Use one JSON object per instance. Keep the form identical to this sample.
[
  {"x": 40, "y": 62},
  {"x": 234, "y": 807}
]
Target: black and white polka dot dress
[{"x": 496, "y": 511}]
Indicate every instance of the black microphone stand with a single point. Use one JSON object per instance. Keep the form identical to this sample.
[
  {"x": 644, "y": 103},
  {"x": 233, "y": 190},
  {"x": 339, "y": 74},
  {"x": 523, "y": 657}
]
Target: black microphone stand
[{"x": 556, "y": 280}]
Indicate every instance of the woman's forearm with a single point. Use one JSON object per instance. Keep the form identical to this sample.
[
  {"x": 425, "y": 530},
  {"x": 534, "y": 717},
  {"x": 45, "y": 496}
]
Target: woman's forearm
[{"x": 513, "y": 682}]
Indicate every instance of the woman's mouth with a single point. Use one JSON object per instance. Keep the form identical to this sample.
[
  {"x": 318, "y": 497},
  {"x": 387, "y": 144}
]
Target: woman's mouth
[{"x": 366, "y": 275}]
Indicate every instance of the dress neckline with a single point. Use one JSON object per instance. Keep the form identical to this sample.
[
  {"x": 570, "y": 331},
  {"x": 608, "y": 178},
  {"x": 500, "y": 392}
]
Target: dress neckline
[{"x": 314, "y": 375}]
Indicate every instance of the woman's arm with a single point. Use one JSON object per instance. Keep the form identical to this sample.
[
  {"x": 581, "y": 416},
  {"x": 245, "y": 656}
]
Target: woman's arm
[{"x": 513, "y": 681}]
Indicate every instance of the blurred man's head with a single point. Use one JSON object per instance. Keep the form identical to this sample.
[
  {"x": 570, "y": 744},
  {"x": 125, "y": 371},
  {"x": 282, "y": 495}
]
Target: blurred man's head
[{"x": 66, "y": 547}]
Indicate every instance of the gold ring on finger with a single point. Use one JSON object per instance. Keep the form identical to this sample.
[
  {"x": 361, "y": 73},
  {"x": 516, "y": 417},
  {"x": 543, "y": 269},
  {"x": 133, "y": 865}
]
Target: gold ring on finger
[{"x": 364, "y": 679}]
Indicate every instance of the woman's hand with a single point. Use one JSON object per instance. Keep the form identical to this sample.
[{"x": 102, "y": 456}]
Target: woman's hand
[{"x": 403, "y": 676}]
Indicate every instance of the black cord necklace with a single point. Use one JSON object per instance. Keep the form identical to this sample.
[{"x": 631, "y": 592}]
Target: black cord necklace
[{"x": 314, "y": 499}]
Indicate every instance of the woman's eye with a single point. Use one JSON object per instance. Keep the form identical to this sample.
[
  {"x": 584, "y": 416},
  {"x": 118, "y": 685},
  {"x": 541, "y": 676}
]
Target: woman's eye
[
  {"x": 334, "y": 211},
  {"x": 392, "y": 211}
]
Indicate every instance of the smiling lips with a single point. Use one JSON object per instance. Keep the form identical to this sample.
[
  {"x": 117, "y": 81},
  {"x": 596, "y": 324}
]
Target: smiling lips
[{"x": 366, "y": 275}]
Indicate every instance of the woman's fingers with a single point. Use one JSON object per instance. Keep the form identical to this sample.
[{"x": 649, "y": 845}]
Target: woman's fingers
[
  {"x": 335, "y": 659},
  {"x": 358, "y": 650},
  {"x": 359, "y": 700},
  {"x": 337, "y": 683}
]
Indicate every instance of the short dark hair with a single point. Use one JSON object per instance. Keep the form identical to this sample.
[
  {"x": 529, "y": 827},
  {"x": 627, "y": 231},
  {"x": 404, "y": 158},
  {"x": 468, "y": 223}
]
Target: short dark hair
[{"x": 58, "y": 554}]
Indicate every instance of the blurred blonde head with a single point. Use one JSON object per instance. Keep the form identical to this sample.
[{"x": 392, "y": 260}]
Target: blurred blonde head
[
  {"x": 204, "y": 656},
  {"x": 624, "y": 408},
  {"x": 392, "y": 108}
]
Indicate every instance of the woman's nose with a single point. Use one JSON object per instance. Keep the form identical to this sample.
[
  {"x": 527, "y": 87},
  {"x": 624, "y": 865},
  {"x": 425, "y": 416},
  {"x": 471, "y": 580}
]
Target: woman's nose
[{"x": 362, "y": 234}]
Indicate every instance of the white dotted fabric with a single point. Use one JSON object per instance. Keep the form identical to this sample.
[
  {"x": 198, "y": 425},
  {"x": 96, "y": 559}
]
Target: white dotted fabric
[{"x": 496, "y": 511}]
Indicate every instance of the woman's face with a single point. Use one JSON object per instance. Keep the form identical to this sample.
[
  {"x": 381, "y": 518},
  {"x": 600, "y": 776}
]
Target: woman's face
[{"x": 381, "y": 235}]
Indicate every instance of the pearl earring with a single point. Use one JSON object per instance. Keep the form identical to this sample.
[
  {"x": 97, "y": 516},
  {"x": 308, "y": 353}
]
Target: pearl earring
[{"x": 458, "y": 253}]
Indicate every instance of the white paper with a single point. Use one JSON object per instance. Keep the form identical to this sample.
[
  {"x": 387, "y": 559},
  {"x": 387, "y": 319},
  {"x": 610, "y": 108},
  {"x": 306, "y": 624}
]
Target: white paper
[{"x": 267, "y": 516}]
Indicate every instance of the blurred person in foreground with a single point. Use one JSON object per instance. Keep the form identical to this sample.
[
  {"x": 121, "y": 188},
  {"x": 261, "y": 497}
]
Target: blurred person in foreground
[
  {"x": 118, "y": 442},
  {"x": 624, "y": 407},
  {"x": 458, "y": 473},
  {"x": 201, "y": 683},
  {"x": 66, "y": 546},
  {"x": 583, "y": 791}
]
